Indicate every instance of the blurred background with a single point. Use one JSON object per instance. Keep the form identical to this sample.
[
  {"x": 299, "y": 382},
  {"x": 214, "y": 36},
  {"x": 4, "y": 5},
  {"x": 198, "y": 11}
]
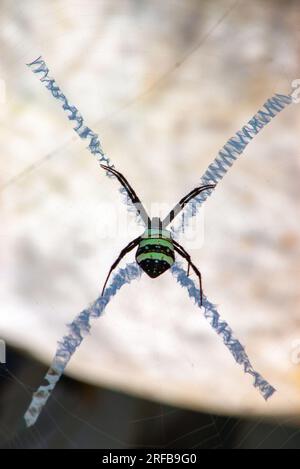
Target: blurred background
[{"x": 164, "y": 84}]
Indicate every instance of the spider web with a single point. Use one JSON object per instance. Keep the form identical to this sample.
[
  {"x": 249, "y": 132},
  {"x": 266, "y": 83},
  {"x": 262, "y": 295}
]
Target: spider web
[
  {"x": 144, "y": 424},
  {"x": 36, "y": 436},
  {"x": 179, "y": 62}
]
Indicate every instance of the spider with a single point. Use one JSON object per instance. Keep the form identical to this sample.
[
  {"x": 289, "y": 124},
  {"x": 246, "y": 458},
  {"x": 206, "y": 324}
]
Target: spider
[{"x": 155, "y": 253}]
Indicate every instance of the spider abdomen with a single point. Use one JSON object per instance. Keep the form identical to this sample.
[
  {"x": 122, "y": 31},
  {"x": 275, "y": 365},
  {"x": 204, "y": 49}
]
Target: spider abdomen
[{"x": 155, "y": 253}]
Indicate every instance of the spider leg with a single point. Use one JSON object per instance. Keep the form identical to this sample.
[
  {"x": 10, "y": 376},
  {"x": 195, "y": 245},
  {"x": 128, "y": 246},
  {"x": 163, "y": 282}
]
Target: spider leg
[
  {"x": 181, "y": 204},
  {"x": 124, "y": 251},
  {"x": 131, "y": 193},
  {"x": 184, "y": 254},
  {"x": 180, "y": 250}
]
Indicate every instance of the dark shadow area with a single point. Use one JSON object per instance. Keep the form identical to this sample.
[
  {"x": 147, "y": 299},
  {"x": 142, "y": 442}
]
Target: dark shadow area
[{"x": 83, "y": 416}]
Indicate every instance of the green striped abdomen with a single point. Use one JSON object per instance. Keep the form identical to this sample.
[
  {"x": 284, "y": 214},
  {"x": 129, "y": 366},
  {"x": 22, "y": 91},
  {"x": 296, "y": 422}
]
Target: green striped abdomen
[{"x": 155, "y": 253}]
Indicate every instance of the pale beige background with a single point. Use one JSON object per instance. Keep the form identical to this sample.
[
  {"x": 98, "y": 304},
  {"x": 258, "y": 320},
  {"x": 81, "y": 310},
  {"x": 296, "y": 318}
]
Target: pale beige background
[{"x": 58, "y": 238}]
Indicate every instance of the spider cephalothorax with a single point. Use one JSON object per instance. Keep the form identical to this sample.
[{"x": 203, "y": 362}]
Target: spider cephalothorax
[{"x": 156, "y": 247}]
